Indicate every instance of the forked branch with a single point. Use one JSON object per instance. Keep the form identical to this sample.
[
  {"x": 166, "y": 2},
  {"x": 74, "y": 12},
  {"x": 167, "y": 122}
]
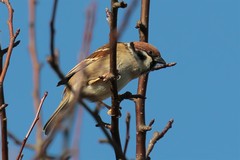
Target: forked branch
[{"x": 157, "y": 136}]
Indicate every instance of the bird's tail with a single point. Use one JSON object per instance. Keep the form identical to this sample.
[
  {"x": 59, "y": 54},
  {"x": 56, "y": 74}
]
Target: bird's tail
[{"x": 65, "y": 106}]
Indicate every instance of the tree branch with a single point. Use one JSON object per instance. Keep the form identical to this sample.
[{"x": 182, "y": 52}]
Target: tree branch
[
  {"x": 35, "y": 64},
  {"x": 142, "y": 88},
  {"x": 5, "y": 50},
  {"x": 3, "y": 71},
  {"x": 18, "y": 142},
  {"x": 157, "y": 136},
  {"x": 53, "y": 58},
  {"x": 113, "y": 71},
  {"x": 127, "y": 133},
  {"x": 32, "y": 126}
]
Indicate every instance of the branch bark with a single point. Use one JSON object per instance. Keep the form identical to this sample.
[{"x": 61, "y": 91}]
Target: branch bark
[
  {"x": 113, "y": 71},
  {"x": 36, "y": 66},
  {"x": 142, "y": 88},
  {"x": 3, "y": 71}
]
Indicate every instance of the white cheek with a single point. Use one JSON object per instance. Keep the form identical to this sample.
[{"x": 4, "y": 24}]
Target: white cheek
[{"x": 147, "y": 63}]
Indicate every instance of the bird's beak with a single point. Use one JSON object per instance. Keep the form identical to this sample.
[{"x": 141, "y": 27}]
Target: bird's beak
[{"x": 159, "y": 62}]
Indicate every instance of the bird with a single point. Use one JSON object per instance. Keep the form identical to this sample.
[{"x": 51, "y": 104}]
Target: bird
[{"x": 89, "y": 78}]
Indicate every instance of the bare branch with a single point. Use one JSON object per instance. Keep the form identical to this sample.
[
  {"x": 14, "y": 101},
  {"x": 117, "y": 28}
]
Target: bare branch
[
  {"x": 103, "y": 141},
  {"x": 157, "y": 136},
  {"x": 151, "y": 122},
  {"x": 53, "y": 58},
  {"x": 19, "y": 142},
  {"x": 141, "y": 128},
  {"x": 3, "y": 106},
  {"x": 32, "y": 126},
  {"x": 88, "y": 30},
  {"x": 12, "y": 40},
  {"x": 3, "y": 71},
  {"x": 113, "y": 71},
  {"x": 130, "y": 96},
  {"x": 128, "y": 117},
  {"x": 35, "y": 65},
  {"x": 5, "y": 50}
]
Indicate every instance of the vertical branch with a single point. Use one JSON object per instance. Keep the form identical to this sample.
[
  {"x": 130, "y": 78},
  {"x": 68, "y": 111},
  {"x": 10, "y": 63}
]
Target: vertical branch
[
  {"x": 4, "y": 143},
  {"x": 53, "y": 58},
  {"x": 3, "y": 71},
  {"x": 142, "y": 87},
  {"x": 88, "y": 30},
  {"x": 113, "y": 71},
  {"x": 35, "y": 64},
  {"x": 52, "y": 29}
]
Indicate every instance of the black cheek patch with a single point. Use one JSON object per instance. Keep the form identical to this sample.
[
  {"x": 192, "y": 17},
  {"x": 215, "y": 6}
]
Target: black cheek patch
[{"x": 141, "y": 56}]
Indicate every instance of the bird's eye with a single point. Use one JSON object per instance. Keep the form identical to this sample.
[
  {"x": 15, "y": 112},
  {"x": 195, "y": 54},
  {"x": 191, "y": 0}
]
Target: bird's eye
[
  {"x": 150, "y": 53},
  {"x": 141, "y": 56}
]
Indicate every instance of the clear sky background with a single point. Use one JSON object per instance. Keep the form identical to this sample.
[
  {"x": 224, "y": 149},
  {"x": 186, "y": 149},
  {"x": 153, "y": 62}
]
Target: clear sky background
[{"x": 201, "y": 93}]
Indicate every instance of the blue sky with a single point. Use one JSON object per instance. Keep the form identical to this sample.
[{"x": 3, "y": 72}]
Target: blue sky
[{"x": 201, "y": 92}]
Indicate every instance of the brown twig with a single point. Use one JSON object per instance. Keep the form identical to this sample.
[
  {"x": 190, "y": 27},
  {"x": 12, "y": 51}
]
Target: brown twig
[
  {"x": 88, "y": 30},
  {"x": 53, "y": 58},
  {"x": 52, "y": 29},
  {"x": 141, "y": 128},
  {"x": 127, "y": 133},
  {"x": 130, "y": 96},
  {"x": 3, "y": 106},
  {"x": 5, "y": 50},
  {"x": 12, "y": 40},
  {"x": 35, "y": 64},
  {"x": 19, "y": 142},
  {"x": 3, "y": 71},
  {"x": 32, "y": 126},
  {"x": 113, "y": 71},
  {"x": 157, "y": 136}
]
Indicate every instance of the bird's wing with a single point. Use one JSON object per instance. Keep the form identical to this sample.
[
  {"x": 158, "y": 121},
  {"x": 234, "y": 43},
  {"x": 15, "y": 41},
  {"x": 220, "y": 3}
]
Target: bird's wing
[
  {"x": 75, "y": 69},
  {"x": 98, "y": 54}
]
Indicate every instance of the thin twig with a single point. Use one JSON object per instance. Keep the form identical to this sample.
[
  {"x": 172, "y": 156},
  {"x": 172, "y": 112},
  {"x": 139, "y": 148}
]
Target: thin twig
[
  {"x": 53, "y": 58},
  {"x": 52, "y": 29},
  {"x": 35, "y": 65},
  {"x": 32, "y": 126},
  {"x": 3, "y": 71},
  {"x": 5, "y": 50},
  {"x": 157, "y": 136},
  {"x": 19, "y": 142},
  {"x": 127, "y": 133},
  {"x": 88, "y": 30},
  {"x": 12, "y": 39},
  {"x": 3, "y": 106}
]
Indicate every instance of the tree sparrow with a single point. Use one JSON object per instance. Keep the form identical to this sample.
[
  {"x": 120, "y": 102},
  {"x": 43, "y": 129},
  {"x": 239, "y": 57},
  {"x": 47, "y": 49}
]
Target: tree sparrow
[{"x": 88, "y": 78}]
